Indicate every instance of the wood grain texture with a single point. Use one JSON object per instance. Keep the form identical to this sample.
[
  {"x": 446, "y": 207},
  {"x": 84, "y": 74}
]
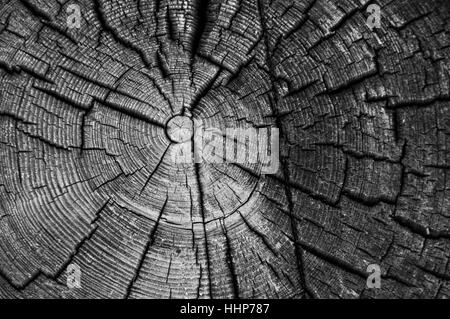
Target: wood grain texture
[{"x": 86, "y": 176}]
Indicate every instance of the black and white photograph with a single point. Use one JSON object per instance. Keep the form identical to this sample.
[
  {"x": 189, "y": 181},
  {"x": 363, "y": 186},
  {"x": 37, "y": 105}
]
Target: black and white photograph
[{"x": 234, "y": 150}]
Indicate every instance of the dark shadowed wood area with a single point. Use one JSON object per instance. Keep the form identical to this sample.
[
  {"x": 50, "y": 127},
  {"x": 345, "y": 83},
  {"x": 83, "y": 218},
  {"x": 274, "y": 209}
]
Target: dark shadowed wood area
[{"x": 87, "y": 176}]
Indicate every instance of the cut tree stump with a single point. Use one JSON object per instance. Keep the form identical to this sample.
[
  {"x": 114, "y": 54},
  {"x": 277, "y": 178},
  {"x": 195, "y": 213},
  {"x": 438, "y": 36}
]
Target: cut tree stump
[{"x": 87, "y": 171}]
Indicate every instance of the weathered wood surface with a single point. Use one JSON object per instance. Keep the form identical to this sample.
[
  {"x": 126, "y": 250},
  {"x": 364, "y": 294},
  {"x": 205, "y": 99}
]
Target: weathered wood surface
[{"x": 85, "y": 175}]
